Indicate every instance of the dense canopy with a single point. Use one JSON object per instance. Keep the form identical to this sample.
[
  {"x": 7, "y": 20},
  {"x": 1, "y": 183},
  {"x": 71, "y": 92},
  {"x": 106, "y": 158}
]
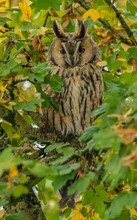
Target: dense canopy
[{"x": 105, "y": 156}]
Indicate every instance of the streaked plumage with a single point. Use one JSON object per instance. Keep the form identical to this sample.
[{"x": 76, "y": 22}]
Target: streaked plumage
[{"x": 74, "y": 57}]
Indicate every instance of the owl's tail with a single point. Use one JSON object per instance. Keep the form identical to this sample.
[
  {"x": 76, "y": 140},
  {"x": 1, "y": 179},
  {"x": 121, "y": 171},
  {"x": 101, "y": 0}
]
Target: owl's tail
[{"x": 68, "y": 200}]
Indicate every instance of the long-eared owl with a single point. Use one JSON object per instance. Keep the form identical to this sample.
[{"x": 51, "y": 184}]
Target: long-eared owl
[{"x": 74, "y": 57}]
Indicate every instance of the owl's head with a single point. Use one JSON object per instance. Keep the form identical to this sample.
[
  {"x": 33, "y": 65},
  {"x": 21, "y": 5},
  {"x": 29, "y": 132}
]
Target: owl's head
[{"x": 70, "y": 49}]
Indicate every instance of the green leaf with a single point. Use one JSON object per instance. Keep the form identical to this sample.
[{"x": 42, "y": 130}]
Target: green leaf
[
  {"x": 81, "y": 184},
  {"x": 128, "y": 199},
  {"x": 100, "y": 110},
  {"x": 125, "y": 215},
  {"x": 69, "y": 168},
  {"x": 47, "y": 101},
  {"x": 28, "y": 119},
  {"x": 132, "y": 52},
  {"x": 40, "y": 170},
  {"x": 132, "y": 89},
  {"x": 40, "y": 68},
  {"x": 3, "y": 202},
  {"x": 56, "y": 146},
  {"x": 4, "y": 70},
  {"x": 66, "y": 152},
  {"x": 28, "y": 106},
  {"x": 131, "y": 7},
  {"x": 88, "y": 133},
  {"x": 56, "y": 83},
  {"x": 99, "y": 205},
  {"x": 40, "y": 4},
  {"x": 16, "y": 216},
  {"x": 6, "y": 160},
  {"x": 39, "y": 77},
  {"x": 87, "y": 197},
  {"x": 10, "y": 131},
  {"x": 90, "y": 197},
  {"x": 19, "y": 190},
  {"x": 107, "y": 138},
  {"x": 102, "y": 193},
  {"x": 60, "y": 181},
  {"x": 26, "y": 26},
  {"x": 11, "y": 64}
]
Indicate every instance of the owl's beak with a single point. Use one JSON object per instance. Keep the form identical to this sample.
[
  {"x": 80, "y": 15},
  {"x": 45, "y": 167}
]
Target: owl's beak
[{"x": 71, "y": 61}]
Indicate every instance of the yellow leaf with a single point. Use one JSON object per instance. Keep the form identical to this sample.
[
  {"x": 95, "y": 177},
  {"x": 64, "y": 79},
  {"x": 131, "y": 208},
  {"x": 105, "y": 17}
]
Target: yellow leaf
[
  {"x": 16, "y": 136},
  {"x": 13, "y": 172},
  {"x": 133, "y": 212},
  {"x": 2, "y": 29},
  {"x": 125, "y": 47},
  {"x": 4, "y": 4},
  {"x": 102, "y": 63},
  {"x": 2, "y": 212},
  {"x": 26, "y": 10},
  {"x": 17, "y": 30},
  {"x": 94, "y": 14},
  {"x": 76, "y": 214},
  {"x": 122, "y": 59},
  {"x": 96, "y": 217}
]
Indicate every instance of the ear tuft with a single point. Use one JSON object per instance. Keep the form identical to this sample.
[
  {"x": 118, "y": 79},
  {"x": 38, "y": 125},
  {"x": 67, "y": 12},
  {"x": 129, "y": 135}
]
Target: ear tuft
[
  {"x": 80, "y": 29},
  {"x": 58, "y": 30}
]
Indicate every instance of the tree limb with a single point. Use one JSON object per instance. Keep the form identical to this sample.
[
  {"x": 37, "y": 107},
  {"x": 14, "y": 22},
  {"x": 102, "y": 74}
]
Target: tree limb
[
  {"x": 122, "y": 22},
  {"x": 131, "y": 41},
  {"x": 113, "y": 30}
]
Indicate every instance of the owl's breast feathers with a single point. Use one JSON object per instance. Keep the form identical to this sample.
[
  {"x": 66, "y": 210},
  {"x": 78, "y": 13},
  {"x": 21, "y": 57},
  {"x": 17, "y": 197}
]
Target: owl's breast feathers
[{"x": 81, "y": 93}]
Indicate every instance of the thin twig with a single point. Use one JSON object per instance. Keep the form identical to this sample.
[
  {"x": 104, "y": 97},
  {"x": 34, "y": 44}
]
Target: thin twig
[
  {"x": 45, "y": 22},
  {"x": 131, "y": 41},
  {"x": 113, "y": 30},
  {"x": 122, "y": 22}
]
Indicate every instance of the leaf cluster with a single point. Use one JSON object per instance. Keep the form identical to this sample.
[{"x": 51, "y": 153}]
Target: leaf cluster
[{"x": 101, "y": 164}]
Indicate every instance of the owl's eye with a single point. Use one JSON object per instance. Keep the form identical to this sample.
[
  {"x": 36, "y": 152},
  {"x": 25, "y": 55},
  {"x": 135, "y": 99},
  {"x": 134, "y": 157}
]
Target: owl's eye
[
  {"x": 62, "y": 51},
  {"x": 81, "y": 49}
]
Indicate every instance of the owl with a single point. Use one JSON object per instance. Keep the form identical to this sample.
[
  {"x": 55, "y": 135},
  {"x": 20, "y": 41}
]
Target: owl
[{"x": 74, "y": 57}]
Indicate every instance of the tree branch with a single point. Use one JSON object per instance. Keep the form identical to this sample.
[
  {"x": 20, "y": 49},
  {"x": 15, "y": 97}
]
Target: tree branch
[
  {"x": 131, "y": 41},
  {"x": 113, "y": 30},
  {"x": 122, "y": 22}
]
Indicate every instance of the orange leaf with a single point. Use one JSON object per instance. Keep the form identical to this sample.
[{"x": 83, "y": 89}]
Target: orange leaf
[
  {"x": 129, "y": 134},
  {"x": 130, "y": 159},
  {"x": 94, "y": 14}
]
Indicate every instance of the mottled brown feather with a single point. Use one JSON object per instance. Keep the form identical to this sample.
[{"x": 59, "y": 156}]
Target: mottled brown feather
[{"x": 82, "y": 81}]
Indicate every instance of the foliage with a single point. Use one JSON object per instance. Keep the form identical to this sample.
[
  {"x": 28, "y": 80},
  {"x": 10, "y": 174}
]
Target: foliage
[{"x": 105, "y": 155}]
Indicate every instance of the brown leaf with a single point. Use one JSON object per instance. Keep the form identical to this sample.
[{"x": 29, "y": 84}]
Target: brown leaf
[
  {"x": 129, "y": 134},
  {"x": 130, "y": 159}
]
